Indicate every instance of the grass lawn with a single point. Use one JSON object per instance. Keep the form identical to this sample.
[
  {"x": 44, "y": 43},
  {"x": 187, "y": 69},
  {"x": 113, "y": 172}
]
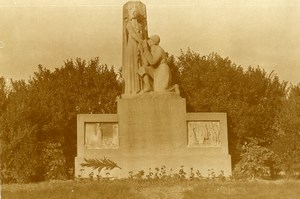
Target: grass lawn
[{"x": 153, "y": 189}]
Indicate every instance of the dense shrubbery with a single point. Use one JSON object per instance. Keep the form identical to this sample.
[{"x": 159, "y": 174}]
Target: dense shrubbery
[
  {"x": 259, "y": 108},
  {"x": 54, "y": 162},
  {"x": 19, "y": 157},
  {"x": 287, "y": 139},
  {"x": 43, "y": 111},
  {"x": 251, "y": 98},
  {"x": 38, "y": 117},
  {"x": 256, "y": 162}
]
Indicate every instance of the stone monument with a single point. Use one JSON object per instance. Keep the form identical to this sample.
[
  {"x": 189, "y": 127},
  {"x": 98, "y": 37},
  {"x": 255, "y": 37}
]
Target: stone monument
[
  {"x": 151, "y": 128},
  {"x": 134, "y": 33}
]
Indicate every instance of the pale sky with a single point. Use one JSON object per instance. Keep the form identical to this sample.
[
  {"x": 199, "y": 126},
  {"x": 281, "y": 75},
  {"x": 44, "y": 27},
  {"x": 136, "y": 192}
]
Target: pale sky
[{"x": 249, "y": 32}]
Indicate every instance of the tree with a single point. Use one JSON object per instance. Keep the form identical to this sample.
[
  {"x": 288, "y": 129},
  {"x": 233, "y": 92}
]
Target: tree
[
  {"x": 286, "y": 141},
  {"x": 38, "y": 128},
  {"x": 251, "y": 98},
  {"x": 38, "y": 118},
  {"x": 3, "y": 99},
  {"x": 19, "y": 157},
  {"x": 175, "y": 74},
  {"x": 76, "y": 88}
]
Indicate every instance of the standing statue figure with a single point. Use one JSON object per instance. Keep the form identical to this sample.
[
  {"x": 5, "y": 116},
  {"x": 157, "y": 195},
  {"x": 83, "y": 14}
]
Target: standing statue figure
[
  {"x": 135, "y": 31},
  {"x": 157, "y": 76}
]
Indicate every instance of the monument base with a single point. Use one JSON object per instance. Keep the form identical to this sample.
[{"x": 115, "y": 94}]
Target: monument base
[
  {"x": 173, "y": 163},
  {"x": 154, "y": 130}
]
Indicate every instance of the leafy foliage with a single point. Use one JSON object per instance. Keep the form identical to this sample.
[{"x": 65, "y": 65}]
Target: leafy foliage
[
  {"x": 3, "y": 99},
  {"x": 19, "y": 155},
  {"x": 44, "y": 110},
  {"x": 286, "y": 141},
  {"x": 77, "y": 87},
  {"x": 54, "y": 162},
  {"x": 256, "y": 161},
  {"x": 100, "y": 164},
  {"x": 175, "y": 74},
  {"x": 38, "y": 117},
  {"x": 251, "y": 98}
]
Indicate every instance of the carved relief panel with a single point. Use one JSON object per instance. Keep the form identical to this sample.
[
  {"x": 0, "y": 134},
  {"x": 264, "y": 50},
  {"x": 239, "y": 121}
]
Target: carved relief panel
[
  {"x": 101, "y": 135},
  {"x": 204, "y": 134}
]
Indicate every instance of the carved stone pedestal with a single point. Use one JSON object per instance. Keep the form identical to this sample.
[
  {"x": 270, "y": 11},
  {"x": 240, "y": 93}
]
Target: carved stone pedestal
[{"x": 152, "y": 130}]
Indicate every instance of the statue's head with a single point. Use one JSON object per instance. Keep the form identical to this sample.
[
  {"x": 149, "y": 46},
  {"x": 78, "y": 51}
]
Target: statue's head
[
  {"x": 133, "y": 13},
  {"x": 153, "y": 40}
]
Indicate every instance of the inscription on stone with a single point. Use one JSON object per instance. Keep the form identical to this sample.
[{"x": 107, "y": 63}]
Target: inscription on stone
[
  {"x": 101, "y": 135},
  {"x": 204, "y": 134}
]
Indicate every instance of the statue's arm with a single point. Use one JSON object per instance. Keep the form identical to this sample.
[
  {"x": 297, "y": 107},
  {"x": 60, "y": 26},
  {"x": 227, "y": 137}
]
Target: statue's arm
[
  {"x": 132, "y": 33},
  {"x": 154, "y": 58}
]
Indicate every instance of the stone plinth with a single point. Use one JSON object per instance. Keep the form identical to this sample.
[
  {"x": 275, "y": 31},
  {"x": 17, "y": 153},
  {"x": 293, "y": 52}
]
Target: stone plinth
[
  {"x": 152, "y": 125},
  {"x": 155, "y": 130}
]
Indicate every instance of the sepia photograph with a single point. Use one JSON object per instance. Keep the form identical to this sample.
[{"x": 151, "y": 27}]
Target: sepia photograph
[{"x": 149, "y": 99}]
